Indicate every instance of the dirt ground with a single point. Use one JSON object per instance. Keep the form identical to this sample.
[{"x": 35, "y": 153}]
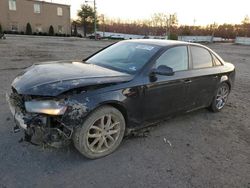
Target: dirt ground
[{"x": 199, "y": 149}]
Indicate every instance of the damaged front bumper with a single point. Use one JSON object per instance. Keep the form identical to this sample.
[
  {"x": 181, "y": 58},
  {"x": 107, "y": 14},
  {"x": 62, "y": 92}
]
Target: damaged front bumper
[
  {"x": 18, "y": 116},
  {"x": 38, "y": 128}
]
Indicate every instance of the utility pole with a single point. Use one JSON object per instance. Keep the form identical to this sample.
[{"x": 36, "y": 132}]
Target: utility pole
[
  {"x": 103, "y": 23},
  {"x": 213, "y": 28},
  {"x": 169, "y": 23},
  {"x": 95, "y": 20},
  {"x": 194, "y": 21}
]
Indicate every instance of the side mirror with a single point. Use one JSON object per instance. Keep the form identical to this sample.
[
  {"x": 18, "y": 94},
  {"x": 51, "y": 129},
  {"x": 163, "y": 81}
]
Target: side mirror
[{"x": 163, "y": 70}]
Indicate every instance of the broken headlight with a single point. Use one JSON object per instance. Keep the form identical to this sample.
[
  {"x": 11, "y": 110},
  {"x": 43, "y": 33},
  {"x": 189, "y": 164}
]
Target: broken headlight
[{"x": 45, "y": 107}]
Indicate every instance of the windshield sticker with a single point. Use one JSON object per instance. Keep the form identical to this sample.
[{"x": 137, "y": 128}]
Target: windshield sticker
[
  {"x": 145, "y": 47},
  {"x": 132, "y": 68}
]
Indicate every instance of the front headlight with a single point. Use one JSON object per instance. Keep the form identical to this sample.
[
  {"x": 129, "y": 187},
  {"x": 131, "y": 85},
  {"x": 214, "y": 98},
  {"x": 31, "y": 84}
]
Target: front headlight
[{"x": 45, "y": 107}]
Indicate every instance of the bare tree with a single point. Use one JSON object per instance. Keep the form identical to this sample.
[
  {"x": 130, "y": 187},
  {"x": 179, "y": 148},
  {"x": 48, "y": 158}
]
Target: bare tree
[{"x": 246, "y": 20}]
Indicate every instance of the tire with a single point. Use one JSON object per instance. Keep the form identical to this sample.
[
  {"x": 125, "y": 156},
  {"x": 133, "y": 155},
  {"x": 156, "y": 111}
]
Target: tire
[
  {"x": 101, "y": 133},
  {"x": 220, "y": 98}
]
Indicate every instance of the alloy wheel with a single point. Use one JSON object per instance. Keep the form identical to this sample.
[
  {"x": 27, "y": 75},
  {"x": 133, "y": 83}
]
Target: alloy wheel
[
  {"x": 222, "y": 96},
  {"x": 103, "y": 133}
]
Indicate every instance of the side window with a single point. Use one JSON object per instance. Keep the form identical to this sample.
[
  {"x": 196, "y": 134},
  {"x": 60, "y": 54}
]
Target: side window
[
  {"x": 216, "y": 60},
  {"x": 201, "y": 57},
  {"x": 175, "y": 58}
]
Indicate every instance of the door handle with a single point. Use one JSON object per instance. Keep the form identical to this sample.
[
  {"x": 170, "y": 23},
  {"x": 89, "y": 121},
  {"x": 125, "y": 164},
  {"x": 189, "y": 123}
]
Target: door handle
[{"x": 187, "y": 81}]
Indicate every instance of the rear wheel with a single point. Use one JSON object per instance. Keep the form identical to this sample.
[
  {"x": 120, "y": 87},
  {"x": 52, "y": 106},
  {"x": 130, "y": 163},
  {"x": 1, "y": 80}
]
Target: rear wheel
[
  {"x": 221, "y": 97},
  {"x": 101, "y": 133}
]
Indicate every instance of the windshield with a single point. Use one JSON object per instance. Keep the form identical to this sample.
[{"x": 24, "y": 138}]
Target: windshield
[{"x": 126, "y": 57}]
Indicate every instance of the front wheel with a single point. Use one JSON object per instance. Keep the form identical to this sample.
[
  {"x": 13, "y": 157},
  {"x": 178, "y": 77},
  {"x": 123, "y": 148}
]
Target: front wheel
[
  {"x": 221, "y": 97},
  {"x": 101, "y": 133}
]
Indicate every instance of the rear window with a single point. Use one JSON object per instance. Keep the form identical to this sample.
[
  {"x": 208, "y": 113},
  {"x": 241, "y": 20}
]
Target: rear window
[{"x": 201, "y": 57}]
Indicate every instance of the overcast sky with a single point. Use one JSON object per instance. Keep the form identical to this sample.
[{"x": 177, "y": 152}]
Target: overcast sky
[{"x": 203, "y": 12}]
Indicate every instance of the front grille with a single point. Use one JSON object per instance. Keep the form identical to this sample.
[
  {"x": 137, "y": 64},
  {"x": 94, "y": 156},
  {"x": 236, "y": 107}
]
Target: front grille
[{"x": 17, "y": 100}]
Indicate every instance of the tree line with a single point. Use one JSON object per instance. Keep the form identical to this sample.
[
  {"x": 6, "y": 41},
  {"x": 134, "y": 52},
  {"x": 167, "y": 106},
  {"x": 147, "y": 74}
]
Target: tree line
[{"x": 159, "y": 24}]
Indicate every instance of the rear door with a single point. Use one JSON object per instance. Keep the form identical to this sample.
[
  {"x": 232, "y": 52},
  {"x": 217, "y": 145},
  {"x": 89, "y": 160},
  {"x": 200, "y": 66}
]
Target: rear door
[{"x": 204, "y": 79}]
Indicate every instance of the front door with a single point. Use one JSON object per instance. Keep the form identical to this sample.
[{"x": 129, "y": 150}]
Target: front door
[{"x": 165, "y": 95}]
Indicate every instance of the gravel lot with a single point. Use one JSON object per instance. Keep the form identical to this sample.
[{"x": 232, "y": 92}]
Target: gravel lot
[{"x": 199, "y": 149}]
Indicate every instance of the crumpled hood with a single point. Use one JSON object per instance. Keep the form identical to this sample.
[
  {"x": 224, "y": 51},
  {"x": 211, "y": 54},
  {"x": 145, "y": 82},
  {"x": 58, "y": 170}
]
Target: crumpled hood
[{"x": 54, "y": 78}]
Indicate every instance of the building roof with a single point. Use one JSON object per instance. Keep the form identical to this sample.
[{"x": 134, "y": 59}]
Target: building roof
[{"x": 46, "y": 2}]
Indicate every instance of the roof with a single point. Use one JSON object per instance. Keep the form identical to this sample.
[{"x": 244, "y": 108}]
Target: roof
[{"x": 158, "y": 42}]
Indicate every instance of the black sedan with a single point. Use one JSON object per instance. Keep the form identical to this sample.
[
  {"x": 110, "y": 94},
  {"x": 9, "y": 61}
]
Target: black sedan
[{"x": 123, "y": 87}]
